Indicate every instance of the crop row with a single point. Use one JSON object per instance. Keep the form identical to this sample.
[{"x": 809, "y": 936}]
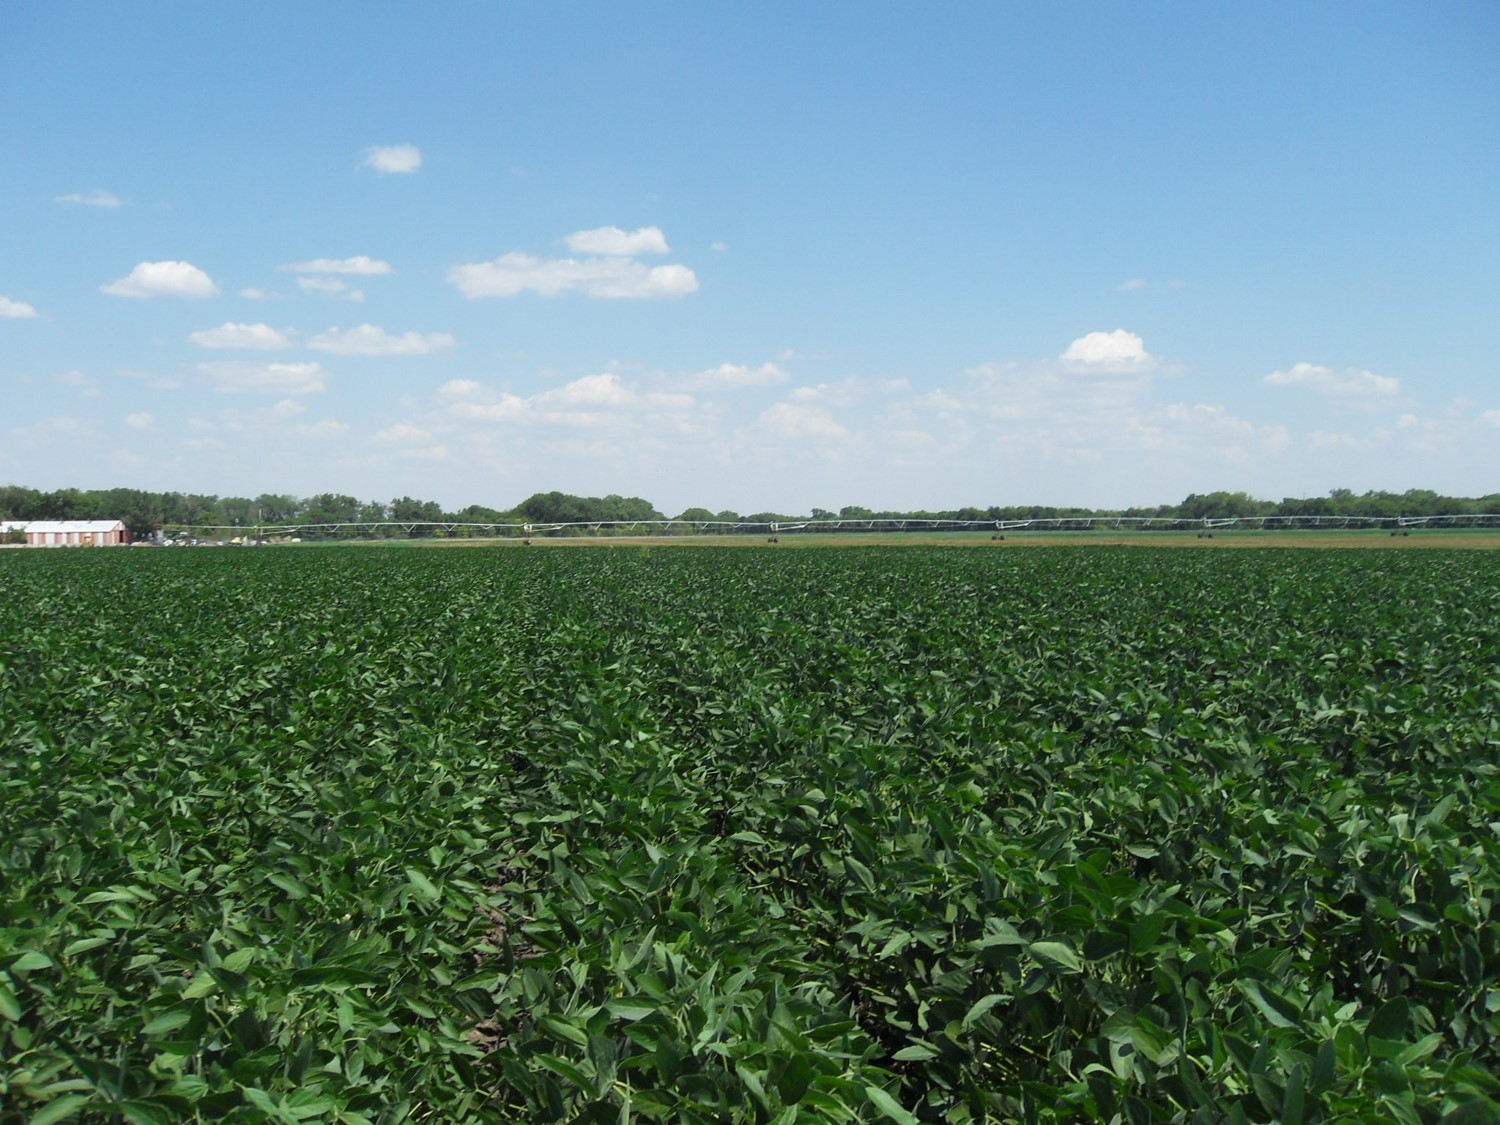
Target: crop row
[{"x": 716, "y": 835}]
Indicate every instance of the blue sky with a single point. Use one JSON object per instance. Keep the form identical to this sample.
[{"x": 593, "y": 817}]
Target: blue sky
[{"x": 759, "y": 257}]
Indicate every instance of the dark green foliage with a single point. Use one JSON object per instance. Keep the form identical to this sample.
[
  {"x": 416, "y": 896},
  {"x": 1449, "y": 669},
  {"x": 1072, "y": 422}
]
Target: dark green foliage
[
  {"x": 749, "y": 836},
  {"x": 559, "y": 507}
]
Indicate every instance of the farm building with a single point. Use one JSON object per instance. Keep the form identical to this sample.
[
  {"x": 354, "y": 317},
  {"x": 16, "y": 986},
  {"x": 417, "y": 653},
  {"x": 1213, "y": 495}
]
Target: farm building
[{"x": 70, "y": 533}]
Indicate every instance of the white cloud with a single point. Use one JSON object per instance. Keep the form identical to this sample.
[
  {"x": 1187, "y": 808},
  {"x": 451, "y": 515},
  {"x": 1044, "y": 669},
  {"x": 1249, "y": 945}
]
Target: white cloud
[
  {"x": 1094, "y": 407},
  {"x": 1055, "y": 393},
  {"x": 253, "y": 294},
  {"x": 332, "y": 286},
  {"x": 402, "y": 432},
  {"x": 269, "y": 378},
  {"x": 602, "y": 401},
  {"x": 163, "y": 279},
  {"x": 1209, "y": 427},
  {"x": 87, "y": 386},
  {"x": 426, "y": 452},
  {"x": 96, "y": 198},
  {"x": 848, "y": 390},
  {"x": 411, "y": 442},
  {"x": 327, "y": 428},
  {"x": 359, "y": 264},
  {"x": 616, "y": 243},
  {"x": 1416, "y": 423},
  {"x": 151, "y": 379},
  {"x": 15, "y": 310},
  {"x": 606, "y": 389},
  {"x": 392, "y": 158},
  {"x": 608, "y": 277},
  {"x": 502, "y": 408},
  {"x": 1322, "y": 439},
  {"x": 65, "y": 431},
  {"x": 1109, "y": 351},
  {"x": 796, "y": 420},
  {"x": 719, "y": 247},
  {"x": 1490, "y": 418},
  {"x": 1352, "y": 382},
  {"x": 231, "y": 335},
  {"x": 257, "y": 427},
  {"x": 738, "y": 375},
  {"x": 140, "y": 421},
  {"x": 1131, "y": 285},
  {"x": 369, "y": 339}
]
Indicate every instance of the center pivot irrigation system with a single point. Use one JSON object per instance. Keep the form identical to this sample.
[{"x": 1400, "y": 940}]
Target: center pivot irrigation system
[{"x": 1204, "y": 526}]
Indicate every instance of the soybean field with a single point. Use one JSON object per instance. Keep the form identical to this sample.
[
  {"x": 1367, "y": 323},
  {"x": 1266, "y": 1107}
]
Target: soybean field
[{"x": 1099, "y": 834}]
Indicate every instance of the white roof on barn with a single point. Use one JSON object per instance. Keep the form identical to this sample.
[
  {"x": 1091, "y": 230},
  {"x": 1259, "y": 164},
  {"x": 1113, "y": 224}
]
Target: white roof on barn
[{"x": 86, "y": 526}]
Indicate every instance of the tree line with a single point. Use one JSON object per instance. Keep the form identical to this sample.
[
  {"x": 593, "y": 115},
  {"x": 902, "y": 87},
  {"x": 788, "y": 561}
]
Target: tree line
[{"x": 145, "y": 513}]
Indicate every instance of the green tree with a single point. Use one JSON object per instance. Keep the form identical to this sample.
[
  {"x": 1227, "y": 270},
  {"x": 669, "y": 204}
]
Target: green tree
[
  {"x": 141, "y": 512},
  {"x": 18, "y": 503},
  {"x": 63, "y": 504},
  {"x": 329, "y": 507},
  {"x": 272, "y": 508}
]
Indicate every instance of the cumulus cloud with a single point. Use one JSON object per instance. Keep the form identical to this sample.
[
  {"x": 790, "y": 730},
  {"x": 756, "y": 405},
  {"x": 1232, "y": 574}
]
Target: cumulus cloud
[
  {"x": 1180, "y": 424},
  {"x": 86, "y": 385},
  {"x": 1131, "y": 285},
  {"x": 616, "y": 243},
  {"x": 413, "y": 442},
  {"x": 331, "y": 286},
  {"x": 516, "y": 272},
  {"x": 799, "y": 420},
  {"x": 402, "y": 432},
  {"x": 370, "y": 339},
  {"x": 140, "y": 421},
  {"x": 65, "y": 431},
  {"x": 592, "y": 401},
  {"x": 1323, "y": 439},
  {"x": 605, "y": 389},
  {"x": 1352, "y": 382},
  {"x": 96, "y": 198},
  {"x": 326, "y": 428},
  {"x": 848, "y": 390},
  {"x": 1109, "y": 351},
  {"x": 392, "y": 159},
  {"x": 253, "y": 294},
  {"x": 163, "y": 279},
  {"x": 16, "y": 310},
  {"x": 738, "y": 375},
  {"x": 231, "y": 335},
  {"x": 499, "y": 408},
  {"x": 612, "y": 273},
  {"x": 151, "y": 379},
  {"x": 426, "y": 452},
  {"x": 359, "y": 264},
  {"x": 1490, "y": 418},
  {"x": 1095, "y": 405},
  {"x": 267, "y": 378}
]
